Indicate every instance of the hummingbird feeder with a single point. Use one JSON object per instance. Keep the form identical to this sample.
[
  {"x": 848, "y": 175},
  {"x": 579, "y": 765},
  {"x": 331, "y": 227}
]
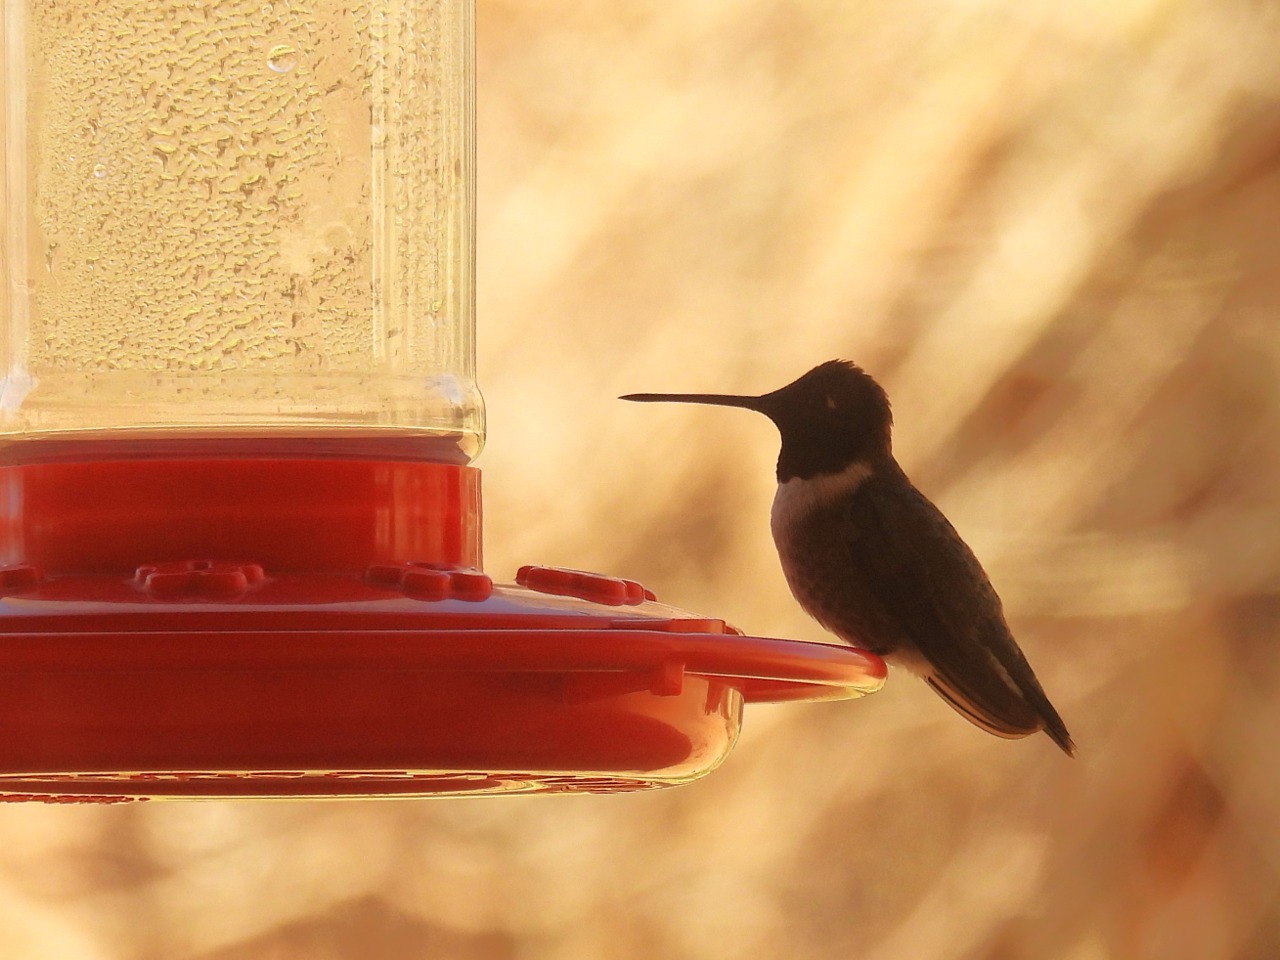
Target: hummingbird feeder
[{"x": 240, "y": 543}]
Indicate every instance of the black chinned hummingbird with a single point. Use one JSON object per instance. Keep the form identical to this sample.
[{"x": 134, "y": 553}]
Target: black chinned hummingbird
[{"x": 871, "y": 559}]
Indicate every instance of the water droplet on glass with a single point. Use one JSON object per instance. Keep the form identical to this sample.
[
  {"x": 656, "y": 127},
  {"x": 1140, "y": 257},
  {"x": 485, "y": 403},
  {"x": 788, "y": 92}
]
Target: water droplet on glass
[
  {"x": 335, "y": 235},
  {"x": 282, "y": 58}
]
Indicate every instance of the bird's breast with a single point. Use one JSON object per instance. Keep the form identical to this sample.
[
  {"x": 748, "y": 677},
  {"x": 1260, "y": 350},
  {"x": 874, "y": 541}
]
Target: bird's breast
[{"x": 812, "y": 530}]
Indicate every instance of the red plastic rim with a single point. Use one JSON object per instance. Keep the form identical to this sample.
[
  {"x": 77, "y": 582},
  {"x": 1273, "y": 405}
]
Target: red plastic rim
[{"x": 109, "y": 514}]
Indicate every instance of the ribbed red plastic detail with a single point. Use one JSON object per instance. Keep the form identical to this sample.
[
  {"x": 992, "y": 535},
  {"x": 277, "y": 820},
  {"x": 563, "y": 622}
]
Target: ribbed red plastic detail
[{"x": 110, "y": 516}]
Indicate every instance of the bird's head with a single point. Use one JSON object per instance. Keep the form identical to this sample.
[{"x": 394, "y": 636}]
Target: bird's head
[{"x": 833, "y": 416}]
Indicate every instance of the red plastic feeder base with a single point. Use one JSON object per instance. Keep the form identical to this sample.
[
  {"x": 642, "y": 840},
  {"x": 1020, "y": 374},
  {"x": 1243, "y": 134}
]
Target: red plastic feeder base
[{"x": 251, "y": 626}]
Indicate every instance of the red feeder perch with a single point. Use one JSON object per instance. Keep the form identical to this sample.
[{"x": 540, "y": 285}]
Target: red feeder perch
[{"x": 241, "y": 535}]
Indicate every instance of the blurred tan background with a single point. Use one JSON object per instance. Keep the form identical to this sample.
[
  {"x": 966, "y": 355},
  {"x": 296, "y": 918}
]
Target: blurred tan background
[{"x": 1051, "y": 231}]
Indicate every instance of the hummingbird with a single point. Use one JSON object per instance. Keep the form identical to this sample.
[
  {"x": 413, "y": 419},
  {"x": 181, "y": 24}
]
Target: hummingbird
[{"x": 870, "y": 558}]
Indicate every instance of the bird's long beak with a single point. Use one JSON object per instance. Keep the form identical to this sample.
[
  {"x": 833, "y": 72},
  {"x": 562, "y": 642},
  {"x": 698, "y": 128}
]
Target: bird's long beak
[{"x": 714, "y": 399}]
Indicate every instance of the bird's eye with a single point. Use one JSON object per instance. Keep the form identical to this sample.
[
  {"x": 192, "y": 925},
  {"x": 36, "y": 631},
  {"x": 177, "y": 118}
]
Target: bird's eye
[{"x": 831, "y": 402}]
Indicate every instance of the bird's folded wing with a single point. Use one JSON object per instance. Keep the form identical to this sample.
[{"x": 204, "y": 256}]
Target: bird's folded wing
[{"x": 932, "y": 587}]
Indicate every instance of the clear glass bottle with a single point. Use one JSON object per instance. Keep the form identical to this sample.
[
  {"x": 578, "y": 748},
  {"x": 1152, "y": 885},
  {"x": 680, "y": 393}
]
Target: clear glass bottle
[{"x": 240, "y": 221}]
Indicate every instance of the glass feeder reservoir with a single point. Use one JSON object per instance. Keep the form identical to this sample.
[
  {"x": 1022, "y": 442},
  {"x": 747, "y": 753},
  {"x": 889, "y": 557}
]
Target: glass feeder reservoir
[
  {"x": 240, "y": 535},
  {"x": 236, "y": 220}
]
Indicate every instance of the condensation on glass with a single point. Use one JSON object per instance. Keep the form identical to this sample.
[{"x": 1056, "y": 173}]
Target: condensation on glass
[{"x": 240, "y": 218}]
